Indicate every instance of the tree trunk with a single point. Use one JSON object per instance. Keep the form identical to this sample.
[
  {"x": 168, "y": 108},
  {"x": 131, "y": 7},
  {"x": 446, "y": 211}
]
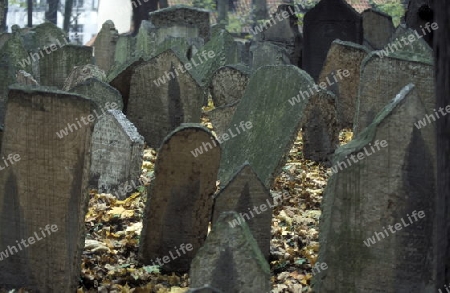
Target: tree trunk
[
  {"x": 30, "y": 12},
  {"x": 52, "y": 13},
  {"x": 67, "y": 14},
  {"x": 442, "y": 64},
  {"x": 3, "y": 14},
  {"x": 141, "y": 10}
]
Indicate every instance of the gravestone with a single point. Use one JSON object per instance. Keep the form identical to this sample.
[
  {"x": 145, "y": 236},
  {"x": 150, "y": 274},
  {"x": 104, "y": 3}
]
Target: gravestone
[
  {"x": 99, "y": 92},
  {"x": 220, "y": 117},
  {"x": 230, "y": 260},
  {"x": 117, "y": 149},
  {"x": 181, "y": 17},
  {"x": 327, "y": 21},
  {"x": 267, "y": 53},
  {"x": 80, "y": 74},
  {"x": 25, "y": 78},
  {"x": 413, "y": 44},
  {"x": 228, "y": 84},
  {"x": 320, "y": 128},
  {"x": 417, "y": 15},
  {"x": 105, "y": 46},
  {"x": 179, "y": 206},
  {"x": 56, "y": 67},
  {"x": 245, "y": 194},
  {"x": 43, "y": 199},
  {"x": 4, "y": 37},
  {"x": 243, "y": 51},
  {"x": 344, "y": 56},
  {"x": 378, "y": 28},
  {"x": 383, "y": 77},
  {"x": 274, "y": 122},
  {"x": 125, "y": 50},
  {"x": 163, "y": 94},
  {"x": 381, "y": 191}
]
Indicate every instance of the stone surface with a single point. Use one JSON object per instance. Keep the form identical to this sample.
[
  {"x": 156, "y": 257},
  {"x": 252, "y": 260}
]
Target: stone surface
[
  {"x": 99, "y": 92},
  {"x": 344, "y": 56},
  {"x": 267, "y": 53},
  {"x": 56, "y": 67},
  {"x": 25, "y": 78},
  {"x": 220, "y": 118},
  {"x": 228, "y": 84},
  {"x": 420, "y": 12},
  {"x": 275, "y": 122},
  {"x": 327, "y": 21},
  {"x": 416, "y": 49},
  {"x": 320, "y": 128},
  {"x": 105, "y": 46},
  {"x": 378, "y": 28},
  {"x": 125, "y": 49},
  {"x": 382, "y": 189},
  {"x": 231, "y": 260},
  {"x": 117, "y": 149},
  {"x": 47, "y": 186},
  {"x": 179, "y": 205},
  {"x": 243, "y": 194},
  {"x": 204, "y": 289},
  {"x": 80, "y": 74},
  {"x": 382, "y": 78},
  {"x": 162, "y": 97}
]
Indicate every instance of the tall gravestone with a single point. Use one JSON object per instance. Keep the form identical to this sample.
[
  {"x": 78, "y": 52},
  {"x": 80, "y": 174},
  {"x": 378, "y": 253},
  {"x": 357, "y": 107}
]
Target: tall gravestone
[
  {"x": 105, "y": 46},
  {"x": 383, "y": 77},
  {"x": 163, "y": 94},
  {"x": 43, "y": 199},
  {"x": 344, "y": 56},
  {"x": 179, "y": 207},
  {"x": 273, "y": 122},
  {"x": 117, "y": 150},
  {"x": 327, "y": 21},
  {"x": 100, "y": 92},
  {"x": 378, "y": 213},
  {"x": 56, "y": 67},
  {"x": 247, "y": 195},
  {"x": 378, "y": 28},
  {"x": 230, "y": 260},
  {"x": 228, "y": 84}
]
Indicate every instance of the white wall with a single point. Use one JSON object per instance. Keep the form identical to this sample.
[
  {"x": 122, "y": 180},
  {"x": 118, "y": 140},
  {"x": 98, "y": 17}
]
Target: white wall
[{"x": 119, "y": 11}]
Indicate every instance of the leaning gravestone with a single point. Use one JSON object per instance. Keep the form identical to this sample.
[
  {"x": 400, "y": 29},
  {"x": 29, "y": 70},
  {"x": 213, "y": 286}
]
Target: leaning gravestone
[
  {"x": 100, "y": 92},
  {"x": 380, "y": 191},
  {"x": 228, "y": 84},
  {"x": 220, "y": 118},
  {"x": 80, "y": 74},
  {"x": 179, "y": 207},
  {"x": 320, "y": 127},
  {"x": 162, "y": 96},
  {"x": 117, "y": 150},
  {"x": 245, "y": 194},
  {"x": 344, "y": 56},
  {"x": 327, "y": 21},
  {"x": 105, "y": 46},
  {"x": 383, "y": 77},
  {"x": 182, "y": 17},
  {"x": 230, "y": 260},
  {"x": 43, "y": 199},
  {"x": 378, "y": 28},
  {"x": 56, "y": 67},
  {"x": 274, "y": 122},
  {"x": 267, "y": 53}
]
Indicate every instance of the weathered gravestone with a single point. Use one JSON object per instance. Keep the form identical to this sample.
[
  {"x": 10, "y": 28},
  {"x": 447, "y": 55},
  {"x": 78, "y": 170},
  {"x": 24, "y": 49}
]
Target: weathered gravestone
[
  {"x": 105, "y": 45},
  {"x": 220, "y": 118},
  {"x": 247, "y": 195},
  {"x": 80, "y": 74},
  {"x": 320, "y": 127},
  {"x": 407, "y": 40},
  {"x": 230, "y": 260},
  {"x": 228, "y": 84},
  {"x": 179, "y": 206},
  {"x": 327, "y": 21},
  {"x": 43, "y": 199},
  {"x": 418, "y": 14},
  {"x": 163, "y": 94},
  {"x": 387, "y": 187},
  {"x": 100, "y": 92},
  {"x": 125, "y": 49},
  {"x": 4, "y": 37},
  {"x": 117, "y": 150},
  {"x": 383, "y": 77},
  {"x": 25, "y": 78},
  {"x": 344, "y": 56},
  {"x": 378, "y": 28},
  {"x": 275, "y": 122},
  {"x": 182, "y": 17},
  {"x": 267, "y": 53},
  {"x": 56, "y": 67},
  {"x": 284, "y": 32}
]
